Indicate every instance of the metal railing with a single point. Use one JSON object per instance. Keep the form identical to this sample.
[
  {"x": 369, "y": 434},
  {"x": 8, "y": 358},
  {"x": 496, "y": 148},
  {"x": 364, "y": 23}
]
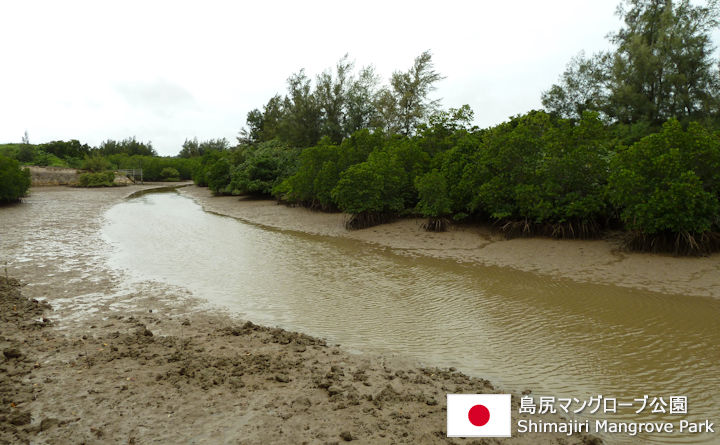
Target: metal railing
[{"x": 133, "y": 174}]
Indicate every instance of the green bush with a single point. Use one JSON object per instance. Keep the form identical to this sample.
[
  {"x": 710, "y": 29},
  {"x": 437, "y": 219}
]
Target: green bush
[
  {"x": 218, "y": 176},
  {"x": 371, "y": 191},
  {"x": 566, "y": 190},
  {"x": 535, "y": 174},
  {"x": 263, "y": 168},
  {"x": 153, "y": 166},
  {"x": 319, "y": 169},
  {"x": 317, "y": 174},
  {"x": 96, "y": 163},
  {"x": 100, "y": 179},
  {"x": 202, "y": 167},
  {"x": 434, "y": 202},
  {"x": 666, "y": 186},
  {"x": 170, "y": 174},
  {"x": 14, "y": 182}
]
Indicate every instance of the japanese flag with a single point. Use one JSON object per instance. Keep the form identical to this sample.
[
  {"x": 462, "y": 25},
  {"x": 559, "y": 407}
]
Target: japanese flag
[{"x": 478, "y": 415}]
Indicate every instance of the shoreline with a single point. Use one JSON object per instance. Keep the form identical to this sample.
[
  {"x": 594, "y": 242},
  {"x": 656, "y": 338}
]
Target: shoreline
[
  {"x": 593, "y": 261},
  {"x": 106, "y": 361}
]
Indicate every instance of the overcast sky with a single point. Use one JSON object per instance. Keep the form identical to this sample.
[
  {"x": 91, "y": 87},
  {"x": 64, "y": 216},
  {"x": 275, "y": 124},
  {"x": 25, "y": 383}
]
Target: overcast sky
[{"x": 167, "y": 71}]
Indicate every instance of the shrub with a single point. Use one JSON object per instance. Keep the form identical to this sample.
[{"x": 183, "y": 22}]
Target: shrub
[
  {"x": 534, "y": 175},
  {"x": 95, "y": 163},
  {"x": 371, "y": 191},
  {"x": 170, "y": 174},
  {"x": 100, "y": 179},
  {"x": 319, "y": 168},
  {"x": 667, "y": 186},
  {"x": 218, "y": 176},
  {"x": 14, "y": 182},
  {"x": 434, "y": 202},
  {"x": 262, "y": 168}
]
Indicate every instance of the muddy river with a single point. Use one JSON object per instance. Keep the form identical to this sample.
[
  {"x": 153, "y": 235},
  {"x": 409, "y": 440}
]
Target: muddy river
[{"x": 520, "y": 330}]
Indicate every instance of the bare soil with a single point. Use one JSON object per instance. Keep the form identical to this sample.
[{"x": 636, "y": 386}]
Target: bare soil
[{"x": 87, "y": 358}]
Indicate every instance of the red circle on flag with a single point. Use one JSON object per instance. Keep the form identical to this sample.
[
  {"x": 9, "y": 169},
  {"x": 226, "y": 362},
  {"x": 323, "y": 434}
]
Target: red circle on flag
[{"x": 479, "y": 415}]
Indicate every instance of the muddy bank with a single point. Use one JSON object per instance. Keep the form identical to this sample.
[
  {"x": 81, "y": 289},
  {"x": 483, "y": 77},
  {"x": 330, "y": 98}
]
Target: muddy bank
[
  {"x": 598, "y": 261},
  {"x": 136, "y": 376},
  {"x": 115, "y": 361}
]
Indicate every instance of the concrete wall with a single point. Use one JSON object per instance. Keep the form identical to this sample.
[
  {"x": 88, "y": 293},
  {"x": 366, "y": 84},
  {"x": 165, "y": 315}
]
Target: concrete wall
[
  {"x": 52, "y": 175},
  {"x": 63, "y": 176}
]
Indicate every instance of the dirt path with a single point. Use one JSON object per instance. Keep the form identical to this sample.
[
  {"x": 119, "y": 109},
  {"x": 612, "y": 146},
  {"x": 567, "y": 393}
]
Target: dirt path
[
  {"x": 118, "y": 362},
  {"x": 599, "y": 261}
]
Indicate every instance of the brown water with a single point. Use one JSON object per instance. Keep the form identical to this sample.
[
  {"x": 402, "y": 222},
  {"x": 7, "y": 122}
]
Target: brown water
[{"x": 520, "y": 330}]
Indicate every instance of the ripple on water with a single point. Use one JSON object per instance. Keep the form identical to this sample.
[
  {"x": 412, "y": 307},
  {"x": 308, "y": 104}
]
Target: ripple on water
[{"x": 520, "y": 330}]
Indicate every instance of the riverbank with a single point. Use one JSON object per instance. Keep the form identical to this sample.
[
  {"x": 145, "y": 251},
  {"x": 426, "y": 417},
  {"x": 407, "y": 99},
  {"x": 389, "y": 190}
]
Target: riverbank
[
  {"x": 124, "y": 362},
  {"x": 595, "y": 261}
]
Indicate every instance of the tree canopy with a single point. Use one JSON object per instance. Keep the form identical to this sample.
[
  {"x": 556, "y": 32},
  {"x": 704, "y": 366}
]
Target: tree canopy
[
  {"x": 344, "y": 100},
  {"x": 662, "y": 66}
]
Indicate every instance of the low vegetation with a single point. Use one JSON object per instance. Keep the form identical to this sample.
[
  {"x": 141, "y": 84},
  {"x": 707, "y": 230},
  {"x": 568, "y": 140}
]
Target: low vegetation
[
  {"x": 629, "y": 139},
  {"x": 110, "y": 155},
  {"x": 99, "y": 179},
  {"x": 14, "y": 181}
]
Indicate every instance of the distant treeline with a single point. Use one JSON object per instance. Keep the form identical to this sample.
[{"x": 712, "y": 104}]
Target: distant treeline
[
  {"x": 110, "y": 155},
  {"x": 629, "y": 139}
]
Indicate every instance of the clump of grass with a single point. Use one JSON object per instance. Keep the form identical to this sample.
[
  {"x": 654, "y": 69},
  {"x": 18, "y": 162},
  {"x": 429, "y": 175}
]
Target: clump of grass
[{"x": 100, "y": 179}]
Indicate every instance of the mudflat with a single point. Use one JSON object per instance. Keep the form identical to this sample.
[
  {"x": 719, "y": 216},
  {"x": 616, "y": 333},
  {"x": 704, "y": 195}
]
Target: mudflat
[
  {"x": 595, "y": 261},
  {"x": 86, "y": 357}
]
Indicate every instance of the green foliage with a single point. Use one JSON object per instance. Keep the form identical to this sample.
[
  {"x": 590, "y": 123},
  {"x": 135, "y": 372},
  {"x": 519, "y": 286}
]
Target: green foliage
[
  {"x": 26, "y": 153},
  {"x": 374, "y": 186},
  {"x": 569, "y": 182},
  {"x": 300, "y": 126},
  {"x": 410, "y": 91},
  {"x": 128, "y": 146},
  {"x": 662, "y": 66},
  {"x": 509, "y": 157},
  {"x": 218, "y": 176},
  {"x": 170, "y": 174},
  {"x": 343, "y": 101},
  {"x": 98, "y": 179},
  {"x": 669, "y": 181},
  {"x": 413, "y": 162},
  {"x": 66, "y": 149},
  {"x": 264, "y": 168},
  {"x": 200, "y": 171},
  {"x": 96, "y": 163},
  {"x": 153, "y": 166},
  {"x": 319, "y": 169},
  {"x": 583, "y": 86},
  {"x": 385, "y": 182},
  {"x": 534, "y": 168},
  {"x": 433, "y": 194},
  {"x": 460, "y": 168},
  {"x": 14, "y": 182},
  {"x": 192, "y": 148},
  {"x": 29, "y": 154}
]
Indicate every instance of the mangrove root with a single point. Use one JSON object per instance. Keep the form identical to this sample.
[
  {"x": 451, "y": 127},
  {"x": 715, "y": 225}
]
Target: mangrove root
[
  {"x": 683, "y": 243},
  {"x": 366, "y": 219},
  {"x": 565, "y": 230},
  {"x": 436, "y": 224}
]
